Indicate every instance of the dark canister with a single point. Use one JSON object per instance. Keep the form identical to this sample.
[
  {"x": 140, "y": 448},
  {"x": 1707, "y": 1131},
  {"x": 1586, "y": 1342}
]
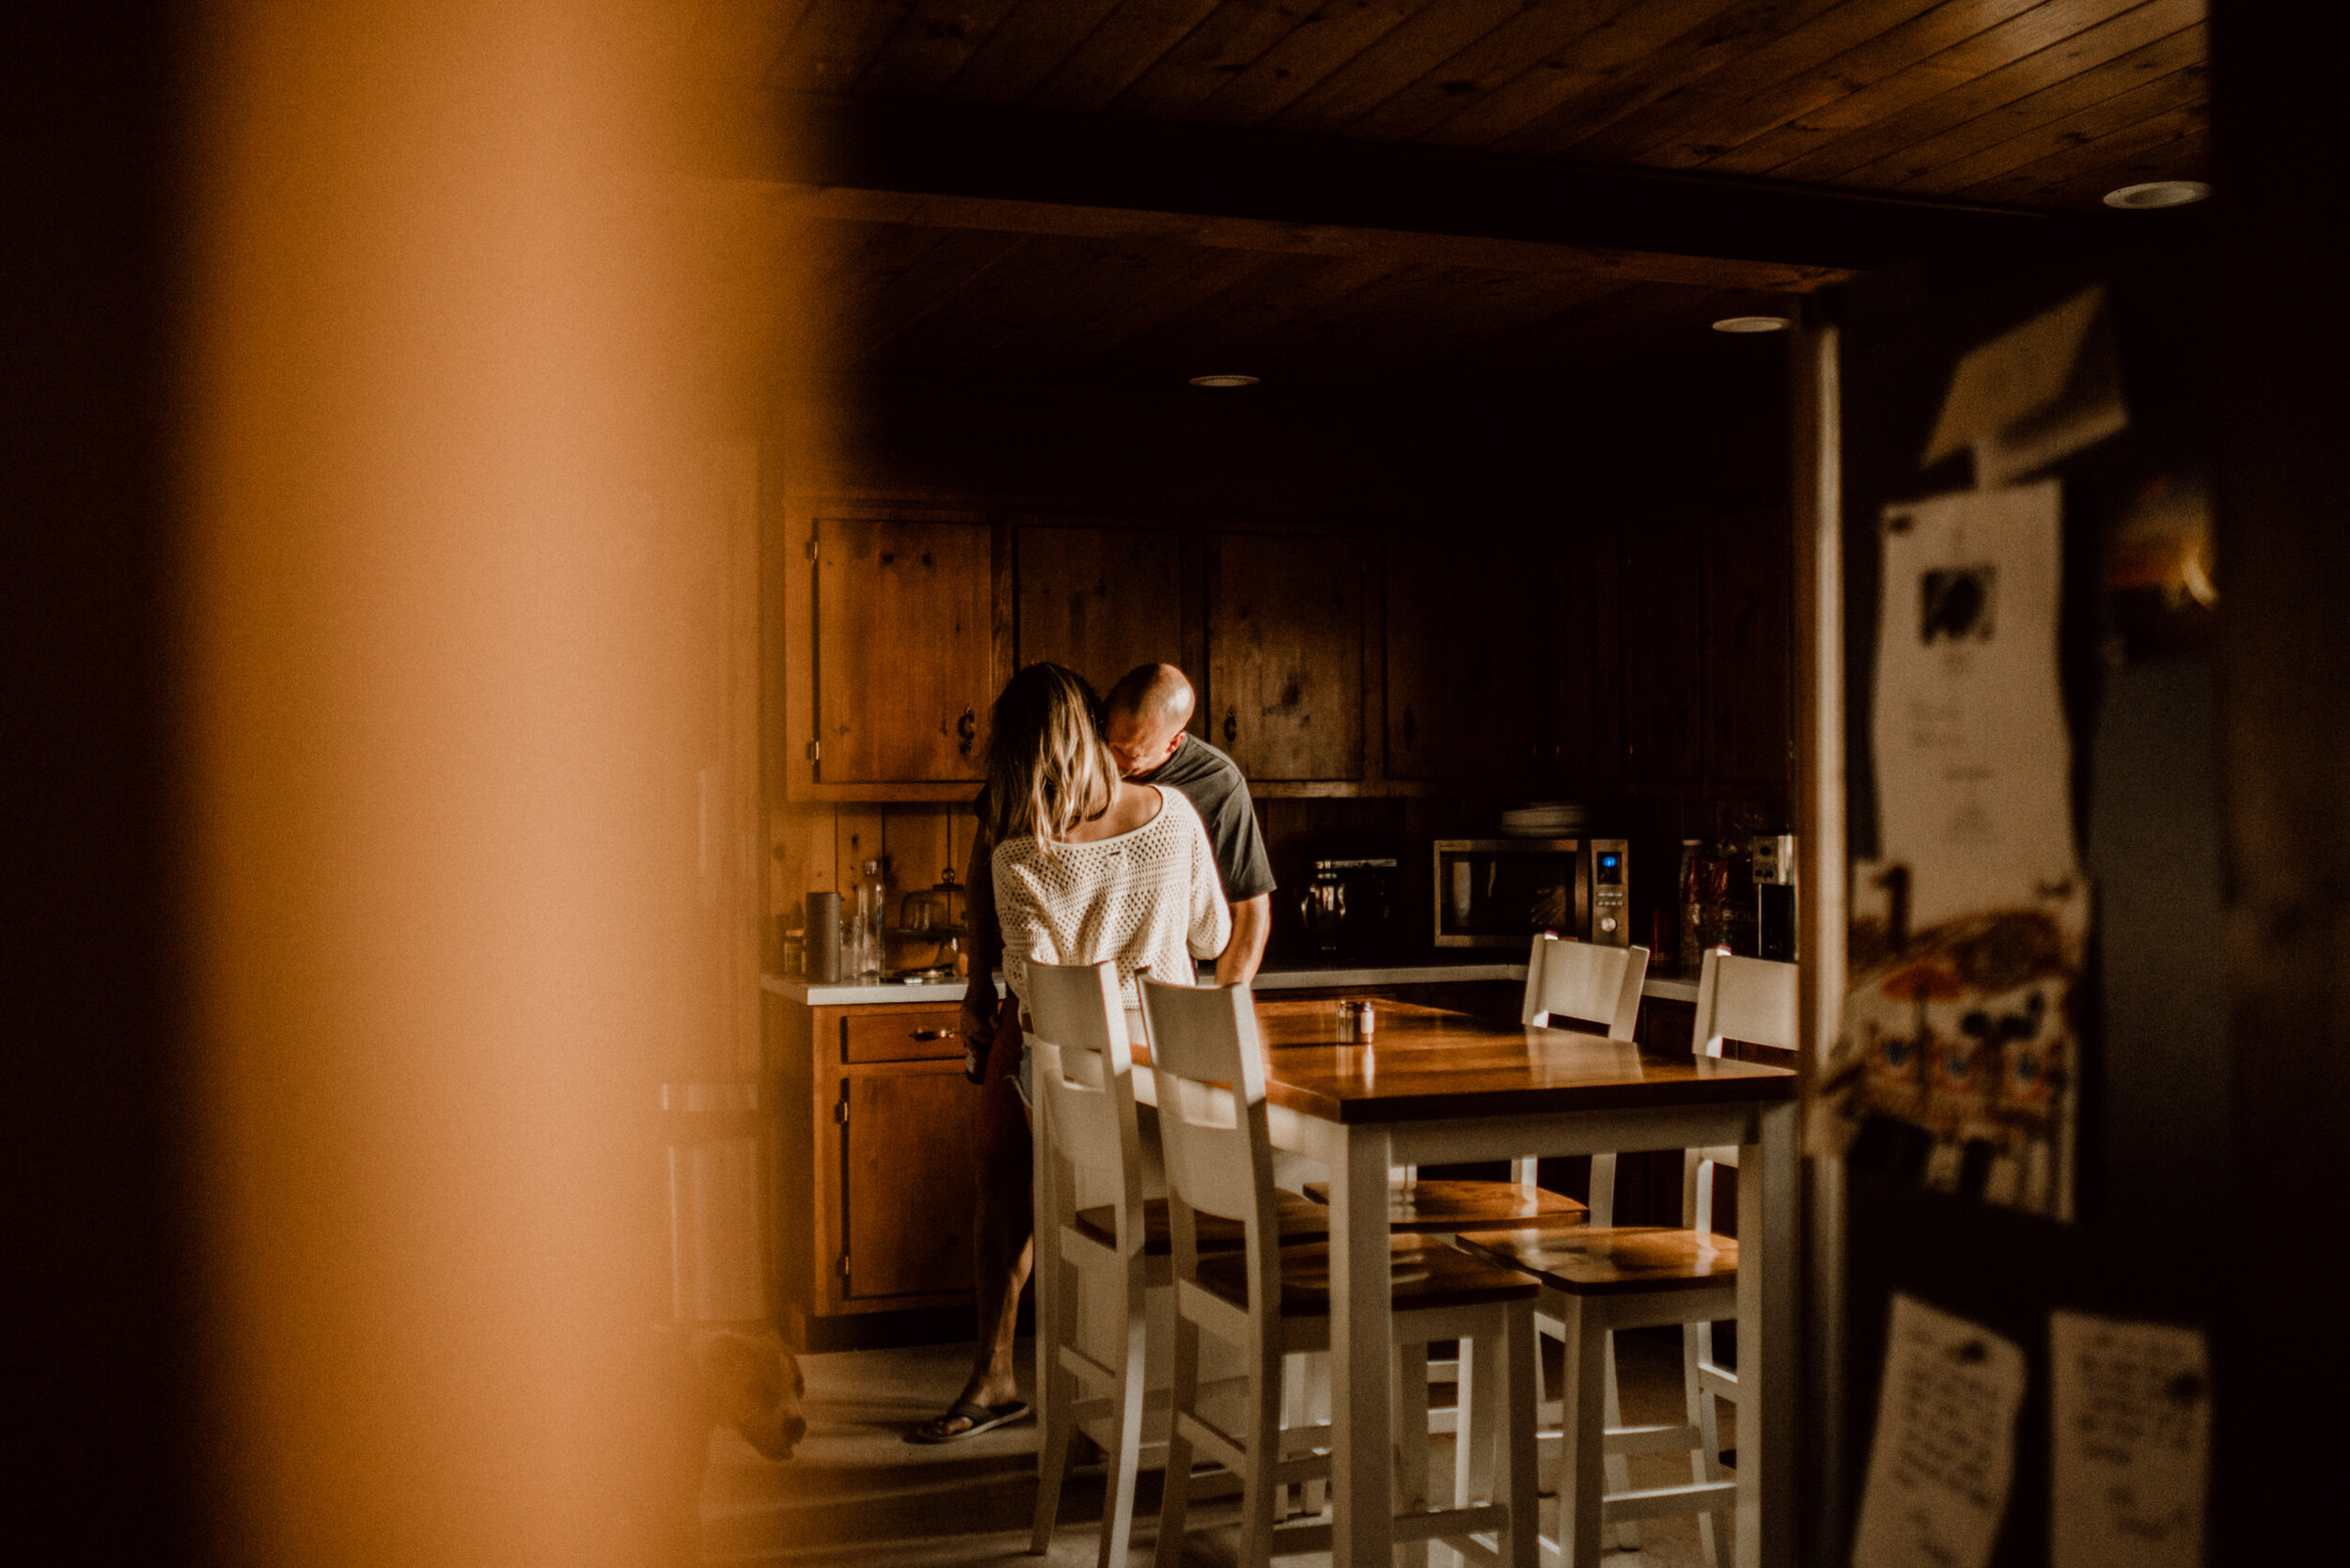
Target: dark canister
[{"x": 824, "y": 938}]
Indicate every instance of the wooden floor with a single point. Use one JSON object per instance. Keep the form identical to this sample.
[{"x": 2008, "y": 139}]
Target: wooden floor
[{"x": 857, "y": 1492}]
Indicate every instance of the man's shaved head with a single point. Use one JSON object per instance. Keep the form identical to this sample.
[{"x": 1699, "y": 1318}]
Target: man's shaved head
[
  {"x": 1159, "y": 695},
  {"x": 1144, "y": 715}
]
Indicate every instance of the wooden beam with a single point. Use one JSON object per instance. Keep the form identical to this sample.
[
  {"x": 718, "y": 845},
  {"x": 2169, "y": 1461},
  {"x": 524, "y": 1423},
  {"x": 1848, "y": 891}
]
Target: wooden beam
[{"x": 1248, "y": 189}]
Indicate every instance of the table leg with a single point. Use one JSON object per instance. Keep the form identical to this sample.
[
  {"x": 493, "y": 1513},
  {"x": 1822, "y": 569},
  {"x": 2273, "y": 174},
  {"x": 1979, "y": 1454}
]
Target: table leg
[
  {"x": 1766, "y": 1342},
  {"x": 1363, "y": 1507}
]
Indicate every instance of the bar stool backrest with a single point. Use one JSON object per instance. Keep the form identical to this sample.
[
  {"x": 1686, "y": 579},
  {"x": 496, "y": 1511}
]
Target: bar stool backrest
[
  {"x": 1585, "y": 980},
  {"x": 1209, "y": 1070},
  {"x": 1085, "y": 1073},
  {"x": 1751, "y": 999}
]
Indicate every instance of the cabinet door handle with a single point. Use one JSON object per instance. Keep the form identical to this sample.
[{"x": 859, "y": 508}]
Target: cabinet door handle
[
  {"x": 1231, "y": 725},
  {"x": 933, "y": 1034},
  {"x": 968, "y": 727}
]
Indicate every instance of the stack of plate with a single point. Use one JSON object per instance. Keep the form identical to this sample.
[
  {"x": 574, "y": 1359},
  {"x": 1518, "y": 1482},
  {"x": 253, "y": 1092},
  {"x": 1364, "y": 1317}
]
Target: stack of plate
[{"x": 1546, "y": 819}]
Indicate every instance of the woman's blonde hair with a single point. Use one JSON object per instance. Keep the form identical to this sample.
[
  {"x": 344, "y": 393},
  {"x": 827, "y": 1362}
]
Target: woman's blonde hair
[{"x": 1047, "y": 767}]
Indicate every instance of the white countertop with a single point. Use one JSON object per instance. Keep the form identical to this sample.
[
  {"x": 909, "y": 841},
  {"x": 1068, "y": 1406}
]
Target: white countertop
[{"x": 1280, "y": 977}]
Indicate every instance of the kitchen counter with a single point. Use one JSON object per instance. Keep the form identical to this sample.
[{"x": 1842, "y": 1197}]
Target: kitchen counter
[{"x": 1276, "y": 976}]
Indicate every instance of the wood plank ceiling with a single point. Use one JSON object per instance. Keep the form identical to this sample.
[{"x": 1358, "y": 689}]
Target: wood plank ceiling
[{"x": 2034, "y": 103}]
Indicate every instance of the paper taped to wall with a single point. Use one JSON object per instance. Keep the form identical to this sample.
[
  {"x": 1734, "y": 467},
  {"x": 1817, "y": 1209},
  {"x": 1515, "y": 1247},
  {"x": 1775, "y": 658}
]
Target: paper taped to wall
[
  {"x": 1944, "y": 1454},
  {"x": 2130, "y": 1404}
]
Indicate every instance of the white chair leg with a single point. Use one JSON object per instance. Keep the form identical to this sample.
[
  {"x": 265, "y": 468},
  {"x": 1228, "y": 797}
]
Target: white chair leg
[
  {"x": 1183, "y": 1400},
  {"x": 1056, "y": 1389},
  {"x": 1411, "y": 1444},
  {"x": 1125, "y": 1455},
  {"x": 1585, "y": 1399},
  {"x": 1705, "y": 1460},
  {"x": 1619, "y": 1465},
  {"x": 1509, "y": 1440},
  {"x": 1261, "y": 1434},
  {"x": 1481, "y": 1396}
]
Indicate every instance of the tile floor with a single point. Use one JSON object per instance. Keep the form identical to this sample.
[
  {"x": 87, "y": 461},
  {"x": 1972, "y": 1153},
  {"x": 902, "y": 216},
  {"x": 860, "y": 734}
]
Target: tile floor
[{"x": 857, "y": 1492}]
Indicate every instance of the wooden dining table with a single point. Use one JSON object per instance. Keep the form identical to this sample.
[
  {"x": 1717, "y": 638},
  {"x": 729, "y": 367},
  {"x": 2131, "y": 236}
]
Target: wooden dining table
[{"x": 1436, "y": 1088}]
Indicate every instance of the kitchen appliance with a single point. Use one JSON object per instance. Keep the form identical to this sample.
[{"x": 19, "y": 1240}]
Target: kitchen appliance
[
  {"x": 1501, "y": 892},
  {"x": 1348, "y": 907},
  {"x": 927, "y": 942},
  {"x": 1775, "y": 897}
]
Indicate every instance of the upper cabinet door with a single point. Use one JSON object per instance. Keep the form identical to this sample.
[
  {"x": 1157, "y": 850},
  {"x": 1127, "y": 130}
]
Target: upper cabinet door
[
  {"x": 903, "y": 644},
  {"x": 1749, "y": 613},
  {"x": 1285, "y": 654},
  {"x": 1100, "y": 601},
  {"x": 1470, "y": 686},
  {"x": 1663, "y": 630}
]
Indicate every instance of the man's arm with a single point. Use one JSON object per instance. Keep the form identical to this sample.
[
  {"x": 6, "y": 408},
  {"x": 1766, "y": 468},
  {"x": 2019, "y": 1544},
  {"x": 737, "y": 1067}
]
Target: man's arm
[
  {"x": 1252, "y": 923},
  {"x": 985, "y": 946}
]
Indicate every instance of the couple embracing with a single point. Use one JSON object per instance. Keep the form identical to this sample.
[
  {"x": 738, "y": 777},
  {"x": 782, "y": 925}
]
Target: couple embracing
[{"x": 1106, "y": 834}]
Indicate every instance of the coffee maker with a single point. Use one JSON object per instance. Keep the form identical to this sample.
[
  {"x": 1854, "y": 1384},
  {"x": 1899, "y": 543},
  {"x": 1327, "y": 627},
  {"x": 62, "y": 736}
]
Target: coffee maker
[{"x": 1348, "y": 907}]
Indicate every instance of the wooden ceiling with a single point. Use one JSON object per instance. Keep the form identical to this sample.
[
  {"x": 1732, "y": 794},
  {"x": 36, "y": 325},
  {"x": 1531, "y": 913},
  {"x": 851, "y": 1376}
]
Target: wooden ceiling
[
  {"x": 2038, "y": 104},
  {"x": 2033, "y": 103}
]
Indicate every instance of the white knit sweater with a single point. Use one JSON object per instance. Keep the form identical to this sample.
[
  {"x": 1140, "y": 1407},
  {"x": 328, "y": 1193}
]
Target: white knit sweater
[{"x": 1148, "y": 899}]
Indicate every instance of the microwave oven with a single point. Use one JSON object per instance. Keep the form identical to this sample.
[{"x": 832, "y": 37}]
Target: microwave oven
[{"x": 1504, "y": 892}]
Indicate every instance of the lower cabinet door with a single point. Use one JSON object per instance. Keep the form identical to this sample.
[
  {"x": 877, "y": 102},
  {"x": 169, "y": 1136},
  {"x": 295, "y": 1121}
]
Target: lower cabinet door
[{"x": 907, "y": 1184}]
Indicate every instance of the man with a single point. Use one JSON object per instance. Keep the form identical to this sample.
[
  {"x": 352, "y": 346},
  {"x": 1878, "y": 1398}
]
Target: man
[{"x": 1143, "y": 720}]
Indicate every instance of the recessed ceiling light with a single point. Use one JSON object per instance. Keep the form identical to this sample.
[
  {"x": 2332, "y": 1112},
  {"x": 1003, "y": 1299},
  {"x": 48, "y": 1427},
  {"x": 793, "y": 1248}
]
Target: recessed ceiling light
[
  {"x": 1224, "y": 380},
  {"x": 1752, "y": 323},
  {"x": 2158, "y": 193}
]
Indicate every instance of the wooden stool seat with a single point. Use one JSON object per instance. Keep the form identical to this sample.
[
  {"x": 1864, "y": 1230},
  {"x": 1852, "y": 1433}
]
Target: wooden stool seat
[
  {"x": 1298, "y": 1220},
  {"x": 1442, "y": 1208},
  {"x": 1423, "y": 1272},
  {"x": 1623, "y": 1260}
]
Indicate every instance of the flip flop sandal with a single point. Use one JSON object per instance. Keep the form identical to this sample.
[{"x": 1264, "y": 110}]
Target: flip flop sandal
[{"x": 983, "y": 1419}]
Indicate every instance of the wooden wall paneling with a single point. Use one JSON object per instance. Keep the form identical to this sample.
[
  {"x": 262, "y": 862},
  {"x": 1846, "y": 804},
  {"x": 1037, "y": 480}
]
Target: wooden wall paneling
[
  {"x": 1432, "y": 36},
  {"x": 1129, "y": 40},
  {"x": 860, "y": 833},
  {"x": 1468, "y": 695},
  {"x": 2165, "y": 128},
  {"x": 1707, "y": 37},
  {"x": 1228, "y": 39},
  {"x": 907, "y": 1223},
  {"x": 904, "y": 666},
  {"x": 1978, "y": 147},
  {"x": 805, "y": 859},
  {"x": 869, "y": 321},
  {"x": 1748, "y": 648},
  {"x": 1285, "y": 654},
  {"x": 1024, "y": 48},
  {"x": 1726, "y": 84},
  {"x": 1094, "y": 307},
  {"x": 1206, "y": 276},
  {"x": 2191, "y": 154},
  {"x": 1662, "y": 638},
  {"x": 1925, "y": 63},
  {"x": 833, "y": 44},
  {"x": 1825, "y": 89},
  {"x": 934, "y": 40},
  {"x": 1490, "y": 82},
  {"x": 1100, "y": 601},
  {"x": 1986, "y": 86},
  {"x": 917, "y": 844},
  {"x": 1308, "y": 56}
]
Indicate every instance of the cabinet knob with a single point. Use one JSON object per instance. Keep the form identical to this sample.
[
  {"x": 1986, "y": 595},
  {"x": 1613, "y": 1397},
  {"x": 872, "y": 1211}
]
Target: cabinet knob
[
  {"x": 1231, "y": 725},
  {"x": 967, "y": 728}
]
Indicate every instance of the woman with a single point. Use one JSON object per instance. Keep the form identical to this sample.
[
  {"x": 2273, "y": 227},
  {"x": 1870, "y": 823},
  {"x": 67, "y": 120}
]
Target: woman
[{"x": 1087, "y": 867}]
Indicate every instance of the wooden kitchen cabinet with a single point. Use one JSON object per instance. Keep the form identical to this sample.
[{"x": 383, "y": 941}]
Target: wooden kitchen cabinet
[
  {"x": 1662, "y": 625},
  {"x": 1100, "y": 601},
  {"x": 1285, "y": 654},
  {"x": 900, "y": 640},
  {"x": 1469, "y": 692},
  {"x": 1749, "y": 614},
  {"x": 874, "y": 1168}
]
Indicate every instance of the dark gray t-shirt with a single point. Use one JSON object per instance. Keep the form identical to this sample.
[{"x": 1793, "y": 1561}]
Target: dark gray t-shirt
[{"x": 1213, "y": 783}]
